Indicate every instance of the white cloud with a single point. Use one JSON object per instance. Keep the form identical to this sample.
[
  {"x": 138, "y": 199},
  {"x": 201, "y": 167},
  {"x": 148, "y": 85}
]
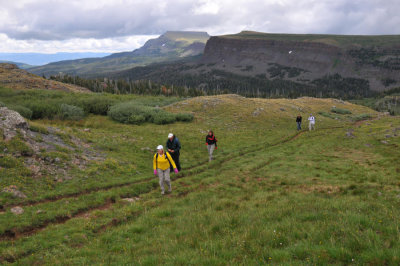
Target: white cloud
[
  {"x": 206, "y": 7},
  {"x": 118, "y": 25},
  {"x": 107, "y": 45}
]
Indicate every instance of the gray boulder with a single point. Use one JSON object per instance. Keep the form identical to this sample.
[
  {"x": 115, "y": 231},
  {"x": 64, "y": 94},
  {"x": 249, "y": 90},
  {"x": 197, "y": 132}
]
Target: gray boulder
[{"x": 11, "y": 122}]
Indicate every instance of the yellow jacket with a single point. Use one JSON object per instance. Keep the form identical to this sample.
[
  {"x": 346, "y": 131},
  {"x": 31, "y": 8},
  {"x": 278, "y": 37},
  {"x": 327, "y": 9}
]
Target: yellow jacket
[{"x": 162, "y": 162}]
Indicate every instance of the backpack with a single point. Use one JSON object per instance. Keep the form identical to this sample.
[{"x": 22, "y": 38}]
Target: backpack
[{"x": 166, "y": 157}]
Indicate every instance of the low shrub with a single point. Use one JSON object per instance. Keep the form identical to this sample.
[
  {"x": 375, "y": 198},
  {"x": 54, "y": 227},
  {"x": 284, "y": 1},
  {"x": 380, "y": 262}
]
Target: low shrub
[
  {"x": 162, "y": 118},
  {"x": 42, "y": 109},
  {"x": 136, "y": 119},
  {"x": 326, "y": 114},
  {"x": 130, "y": 111},
  {"x": 134, "y": 113},
  {"x": 361, "y": 117},
  {"x": 184, "y": 117},
  {"x": 71, "y": 112},
  {"x": 24, "y": 111},
  {"x": 340, "y": 111},
  {"x": 97, "y": 105},
  {"x": 2, "y": 104}
]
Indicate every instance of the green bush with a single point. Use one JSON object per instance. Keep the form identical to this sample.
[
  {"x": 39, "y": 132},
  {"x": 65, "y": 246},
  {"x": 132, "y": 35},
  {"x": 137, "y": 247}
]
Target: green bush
[
  {"x": 133, "y": 113},
  {"x": 42, "y": 109},
  {"x": 340, "y": 111},
  {"x": 326, "y": 114},
  {"x": 124, "y": 112},
  {"x": 2, "y": 104},
  {"x": 162, "y": 118},
  {"x": 361, "y": 117},
  {"x": 24, "y": 111},
  {"x": 184, "y": 117},
  {"x": 97, "y": 105},
  {"x": 136, "y": 119},
  {"x": 71, "y": 112}
]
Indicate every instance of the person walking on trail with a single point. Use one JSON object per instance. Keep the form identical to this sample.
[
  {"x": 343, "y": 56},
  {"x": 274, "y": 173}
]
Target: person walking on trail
[
  {"x": 298, "y": 121},
  {"x": 174, "y": 147},
  {"x": 161, "y": 164},
  {"x": 211, "y": 142},
  {"x": 311, "y": 125}
]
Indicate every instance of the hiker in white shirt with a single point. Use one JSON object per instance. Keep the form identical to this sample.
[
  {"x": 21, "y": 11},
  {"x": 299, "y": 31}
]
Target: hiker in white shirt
[{"x": 311, "y": 124}]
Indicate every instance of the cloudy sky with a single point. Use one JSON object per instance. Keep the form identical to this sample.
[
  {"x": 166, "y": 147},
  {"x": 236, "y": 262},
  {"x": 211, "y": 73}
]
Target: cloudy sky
[{"x": 49, "y": 26}]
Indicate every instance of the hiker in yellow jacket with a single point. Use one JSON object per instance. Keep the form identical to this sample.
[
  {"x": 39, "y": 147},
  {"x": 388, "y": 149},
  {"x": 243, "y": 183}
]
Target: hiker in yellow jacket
[{"x": 162, "y": 162}]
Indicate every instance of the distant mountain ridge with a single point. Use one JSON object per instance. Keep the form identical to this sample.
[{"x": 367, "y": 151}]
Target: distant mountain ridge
[
  {"x": 285, "y": 65},
  {"x": 38, "y": 59},
  {"x": 172, "y": 45}
]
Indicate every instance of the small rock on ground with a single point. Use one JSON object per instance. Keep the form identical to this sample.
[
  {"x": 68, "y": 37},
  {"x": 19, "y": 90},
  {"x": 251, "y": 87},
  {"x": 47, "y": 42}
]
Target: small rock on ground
[
  {"x": 131, "y": 199},
  {"x": 17, "y": 210}
]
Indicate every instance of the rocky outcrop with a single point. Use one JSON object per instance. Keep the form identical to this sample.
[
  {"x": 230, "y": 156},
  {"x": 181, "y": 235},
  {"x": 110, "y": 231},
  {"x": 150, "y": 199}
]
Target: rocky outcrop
[
  {"x": 11, "y": 122},
  {"x": 34, "y": 147}
]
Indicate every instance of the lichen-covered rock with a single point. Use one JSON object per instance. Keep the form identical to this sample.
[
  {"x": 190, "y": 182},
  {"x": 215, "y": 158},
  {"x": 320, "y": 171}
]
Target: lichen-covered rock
[
  {"x": 17, "y": 210},
  {"x": 11, "y": 122}
]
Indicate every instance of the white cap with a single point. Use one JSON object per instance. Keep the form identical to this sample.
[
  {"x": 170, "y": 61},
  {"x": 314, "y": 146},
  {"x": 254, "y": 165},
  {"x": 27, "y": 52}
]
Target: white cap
[
  {"x": 160, "y": 147},
  {"x": 170, "y": 135}
]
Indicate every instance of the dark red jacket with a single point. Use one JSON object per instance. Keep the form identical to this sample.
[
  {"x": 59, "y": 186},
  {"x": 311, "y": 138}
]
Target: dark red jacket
[{"x": 210, "y": 140}]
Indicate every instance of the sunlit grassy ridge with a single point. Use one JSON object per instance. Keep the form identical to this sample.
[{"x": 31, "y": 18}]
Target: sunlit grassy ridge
[
  {"x": 331, "y": 39},
  {"x": 271, "y": 196}
]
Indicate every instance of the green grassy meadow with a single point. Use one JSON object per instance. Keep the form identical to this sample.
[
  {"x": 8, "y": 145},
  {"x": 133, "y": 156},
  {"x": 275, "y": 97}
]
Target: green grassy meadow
[{"x": 271, "y": 196}]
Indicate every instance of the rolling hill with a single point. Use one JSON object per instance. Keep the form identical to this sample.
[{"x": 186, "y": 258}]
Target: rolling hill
[
  {"x": 20, "y": 65},
  {"x": 288, "y": 65},
  {"x": 170, "y": 46},
  {"x": 13, "y": 77}
]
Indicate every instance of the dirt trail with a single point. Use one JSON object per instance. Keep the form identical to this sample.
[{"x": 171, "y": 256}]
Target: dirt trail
[{"x": 30, "y": 230}]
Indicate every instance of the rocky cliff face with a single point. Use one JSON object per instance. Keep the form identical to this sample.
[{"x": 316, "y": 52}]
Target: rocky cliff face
[{"x": 306, "y": 60}]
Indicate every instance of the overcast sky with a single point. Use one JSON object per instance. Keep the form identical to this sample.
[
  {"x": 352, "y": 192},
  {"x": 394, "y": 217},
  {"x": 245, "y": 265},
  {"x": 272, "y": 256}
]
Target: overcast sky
[{"x": 49, "y": 26}]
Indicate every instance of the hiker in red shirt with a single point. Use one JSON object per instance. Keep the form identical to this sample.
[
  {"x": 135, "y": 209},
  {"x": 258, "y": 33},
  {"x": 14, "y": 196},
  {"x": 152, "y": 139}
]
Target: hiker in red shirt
[{"x": 211, "y": 142}]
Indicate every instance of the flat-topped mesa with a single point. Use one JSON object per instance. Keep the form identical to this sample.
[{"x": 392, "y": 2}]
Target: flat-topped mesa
[
  {"x": 371, "y": 58},
  {"x": 200, "y": 35},
  {"x": 268, "y": 51}
]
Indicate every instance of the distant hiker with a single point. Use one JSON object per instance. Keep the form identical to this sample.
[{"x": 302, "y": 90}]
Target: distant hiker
[
  {"x": 311, "y": 125},
  {"x": 174, "y": 147},
  {"x": 298, "y": 121},
  {"x": 161, "y": 164},
  {"x": 211, "y": 142}
]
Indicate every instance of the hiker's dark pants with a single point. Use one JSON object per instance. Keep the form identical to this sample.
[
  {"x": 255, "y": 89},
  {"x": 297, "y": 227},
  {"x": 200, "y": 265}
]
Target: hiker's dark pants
[
  {"x": 298, "y": 125},
  {"x": 175, "y": 157}
]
